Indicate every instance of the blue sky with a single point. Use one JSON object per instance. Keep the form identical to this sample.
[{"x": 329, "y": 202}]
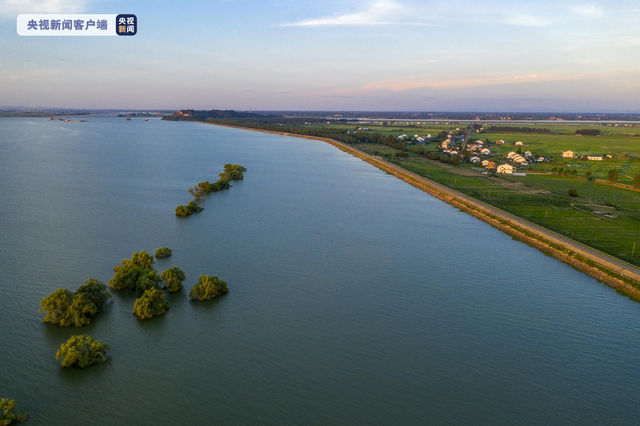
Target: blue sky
[{"x": 455, "y": 55}]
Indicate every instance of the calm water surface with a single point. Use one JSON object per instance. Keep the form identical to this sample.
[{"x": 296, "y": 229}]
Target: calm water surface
[{"x": 355, "y": 299}]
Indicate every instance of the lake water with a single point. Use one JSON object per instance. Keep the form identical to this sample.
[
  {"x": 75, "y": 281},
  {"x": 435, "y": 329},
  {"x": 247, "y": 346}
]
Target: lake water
[{"x": 355, "y": 299}]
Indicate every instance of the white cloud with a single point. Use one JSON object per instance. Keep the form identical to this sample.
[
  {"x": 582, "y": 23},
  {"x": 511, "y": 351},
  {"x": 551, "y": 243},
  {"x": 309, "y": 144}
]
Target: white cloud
[
  {"x": 380, "y": 12},
  {"x": 589, "y": 10},
  {"x": 13, "y": 8},
  {"x": 527, "y": 21},
  {"x": 421, "y": 82}
]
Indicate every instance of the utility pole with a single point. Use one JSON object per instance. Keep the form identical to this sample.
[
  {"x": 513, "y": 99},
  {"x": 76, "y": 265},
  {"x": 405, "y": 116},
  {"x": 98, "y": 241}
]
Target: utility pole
[{"x": 633, "y": 250}]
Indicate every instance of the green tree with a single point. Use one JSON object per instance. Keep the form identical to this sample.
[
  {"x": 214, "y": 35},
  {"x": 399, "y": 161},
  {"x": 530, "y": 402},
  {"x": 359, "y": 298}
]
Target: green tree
[
  {"x": 163, "y": 252},
  {"x": 66, "y": 308},
  {"x": 56, "y": 305},
  {"x": 150, "y": 304},
  {"x": 83, "y": 351},
  {"x": 613, "y": 175},
  {"x": 573, "y": 192},
  {"x": 196, "y": 192},
  {"x": 233, "y": 172},
  {"x": 183, "y": 211},
  {"x": 588, "y": 175},
  {"x": 208, "y": 287},
  {"x": 95, "y": 290},
  {"x": 135, "y": 273},
  {"x": 7, "y": 415},
  {"x": 172, "y": 279}
]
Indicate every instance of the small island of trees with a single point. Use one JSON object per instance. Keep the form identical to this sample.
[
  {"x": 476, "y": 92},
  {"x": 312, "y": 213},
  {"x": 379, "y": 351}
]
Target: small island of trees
[
  {"x": 208, "y": 287},
  {"x": 172, "y": 279},
  {"x": 64, "y": 307},
  {"x": 7, "y": 415},
  {"x": 163, "y": 252},
  {"x": 135, "y": 273},
  {"x": 189, "y": 209},
  {"x": 83, "y": 351},
  {"x": 150, "y": 304},
  {"x": 231, "y": 172}
]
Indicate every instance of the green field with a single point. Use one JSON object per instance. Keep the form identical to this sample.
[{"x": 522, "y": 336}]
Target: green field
[
  {"x": 604, "y": 217},
  {"x": 621, "y": 142}
]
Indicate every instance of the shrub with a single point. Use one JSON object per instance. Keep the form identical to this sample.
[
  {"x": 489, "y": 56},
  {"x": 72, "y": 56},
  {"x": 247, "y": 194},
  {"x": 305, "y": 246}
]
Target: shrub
[
  {"x": 7, "y": 416},
  {"x": 65, "y": 308},
  {"x": 573, "y": 192},
  {"x": 135, "y": 273},
  {"x": 150, "y": 304},
  {"x": 208, "y": 288},
  {"x": 163, "y": 252},
  {"x": 172, "y": 279},
  {"x": 82, "y": 351}
]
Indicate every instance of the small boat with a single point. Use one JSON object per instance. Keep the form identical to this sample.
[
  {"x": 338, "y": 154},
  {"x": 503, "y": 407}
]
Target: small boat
[
  {"x": 146, "y": 119},
  {"x": 128, "y": 119}
]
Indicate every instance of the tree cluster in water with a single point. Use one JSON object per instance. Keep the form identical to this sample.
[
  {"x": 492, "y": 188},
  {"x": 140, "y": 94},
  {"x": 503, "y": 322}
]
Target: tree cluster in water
[
  {"x": 231, "y": 172},
  {"x": 7, "y": 415},
  {"x": 65, "y": 308}
]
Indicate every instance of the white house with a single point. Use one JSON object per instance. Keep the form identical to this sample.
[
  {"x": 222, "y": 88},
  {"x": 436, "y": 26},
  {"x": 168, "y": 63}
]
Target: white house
[
  {"x": 474, "y": 160},
  {"x": 506, "y": 169},
  {"x": 500, "y": 142},
  {"x": 519, "y": 143},
  {"x": 485, "y": 162},
  {"x": 594, "y": 157},
  {"x": 485, "y": 151},
  {"x": 567, "y": 154}
]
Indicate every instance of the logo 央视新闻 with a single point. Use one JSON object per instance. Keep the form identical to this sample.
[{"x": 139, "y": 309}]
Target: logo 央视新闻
[
  {"x": 70, "y": 24},
  {"x": 126, "y": 25}
]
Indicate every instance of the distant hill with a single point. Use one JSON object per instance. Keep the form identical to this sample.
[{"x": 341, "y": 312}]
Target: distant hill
[{"x": 192, "y": 115}]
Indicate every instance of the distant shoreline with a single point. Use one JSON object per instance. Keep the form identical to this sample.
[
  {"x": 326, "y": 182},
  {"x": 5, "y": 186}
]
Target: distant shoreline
[{"x": 613, "y": 272}]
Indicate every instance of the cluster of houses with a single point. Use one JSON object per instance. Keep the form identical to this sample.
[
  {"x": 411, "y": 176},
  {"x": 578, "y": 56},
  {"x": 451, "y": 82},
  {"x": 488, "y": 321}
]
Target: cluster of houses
[
  {"x": 571, "y": 154},
  {"x": 417, "y": 139}
]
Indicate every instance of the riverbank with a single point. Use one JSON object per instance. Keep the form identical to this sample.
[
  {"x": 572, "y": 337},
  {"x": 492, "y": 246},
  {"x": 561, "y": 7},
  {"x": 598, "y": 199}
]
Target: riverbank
[{"x": 623, "y": 277}]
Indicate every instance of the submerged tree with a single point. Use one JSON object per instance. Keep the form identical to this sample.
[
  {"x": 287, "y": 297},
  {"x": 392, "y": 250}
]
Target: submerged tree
[
  {"x": 135, "y": 273},
  {"x": 191, "y": 207},
  {"x": 163, "y": 252},
  {"x": 233, "y": 172},
  {"x": 7, "y": 415},
  {"x": 65, "y": 308},
  {"x": 83, "y": 351},
  {"x": 208, "y": 187},
  {"x": 150, "y": 304},
  {"x": 208, "y": 287},
  {"x": 183, "y": 211},
  {"x": 172, "y": 279},
  {"x": 196, "y": 192}
]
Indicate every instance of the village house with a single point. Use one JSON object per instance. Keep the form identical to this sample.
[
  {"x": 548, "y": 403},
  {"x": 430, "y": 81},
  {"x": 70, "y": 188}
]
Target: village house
[
  {"x": 519, "y": 143},
  {"x": 485, "y": 151},
  {"x": 500, "y": 142},
  {"x": 567, "y": 154},
  {"x": 594, "y": 157},
  {"x": 474, "y": 160},
  {"x": 506, "y": 169}
]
